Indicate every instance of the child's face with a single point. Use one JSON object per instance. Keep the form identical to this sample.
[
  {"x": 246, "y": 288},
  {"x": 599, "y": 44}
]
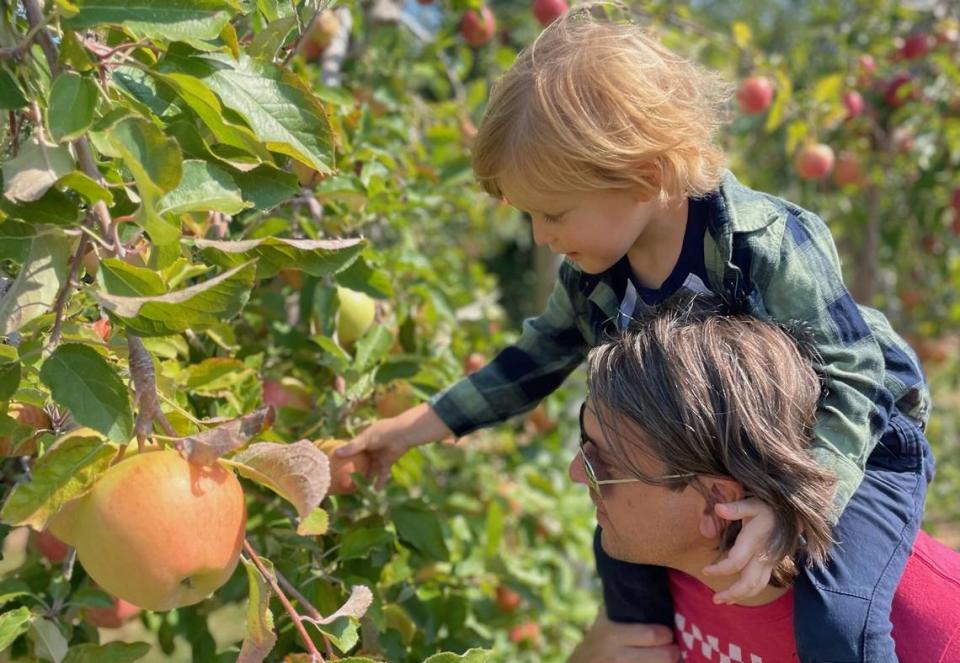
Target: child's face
[{"x": 593, "y": 229}]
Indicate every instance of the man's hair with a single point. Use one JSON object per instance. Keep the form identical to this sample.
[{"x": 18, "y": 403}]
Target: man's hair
[
  {"x": 596, "y": 103},
  {"x": 718, "y": 394}
]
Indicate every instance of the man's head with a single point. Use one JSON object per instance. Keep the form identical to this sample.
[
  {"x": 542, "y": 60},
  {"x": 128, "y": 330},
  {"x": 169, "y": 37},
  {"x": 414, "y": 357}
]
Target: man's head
[
  {"x": 728, "y": 399},
  {"x": 596, "y": 104}
]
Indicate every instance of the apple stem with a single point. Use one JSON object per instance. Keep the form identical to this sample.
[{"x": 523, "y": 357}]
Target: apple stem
[
  {"x": 145, "y": 386},
  {"x": 272, "y": 579}
]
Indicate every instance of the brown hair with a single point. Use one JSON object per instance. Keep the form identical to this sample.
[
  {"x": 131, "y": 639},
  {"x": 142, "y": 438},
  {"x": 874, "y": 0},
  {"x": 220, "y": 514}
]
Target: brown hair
[
  {"x": 716, "y": 394},
  {"x": 595, "y": 104}
]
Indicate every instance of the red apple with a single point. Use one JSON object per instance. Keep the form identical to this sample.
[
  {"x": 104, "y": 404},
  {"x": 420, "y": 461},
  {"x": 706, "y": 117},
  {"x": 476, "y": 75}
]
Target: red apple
[
  {"x": 814, "y": 161},
  {"x": 507, "y": 599},
  {"x": 286, "y": 392},
  {"x": 478, "y": 29},
  {"x": 916, "y": 46},
  {"x": 847, "y": 170},
  {"x": 755, "y": 95},
  {"x": 527, "y": 633},
  {"x": 955, "y": 200},
  {"x": 853, "y": 101},
  {"x": 547, "y": 11},
  {"x": 113, "y": 617},
  {"x": 899, "y": 89},
  {"x": 102, "y": 327},
  {"x": 47, "y": 544},
  {"x": 866, "y": 65}
]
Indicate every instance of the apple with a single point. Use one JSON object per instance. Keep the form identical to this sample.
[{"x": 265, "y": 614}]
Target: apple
[
  {"x": 916, "y": 46},
  {"x": 395, "y": 400},
  {"x": 26, "y": 415},
  {"x": 853, "y": 102},
  {"x": 507, "y": 599},
  {"x": 156, "y": 530},
  {"x": 113, "y": 617},
  {"x": 755, "y": 95},
  {"x": 899, "y": 89},
  {"x": 547, "y": 11},
  {"x": 286, "y": 392},
  {"x": 473, "y": 363},
  {"x": 478, "y": 29},
  {"x": 814, "y": 161},
  {"x": 955, "y": 200},
  {"x": 866, "y": 65},
  {"x": 103, "y": 328},
  {"x": 355, "y": 316},
  {"x": 49, "y": 546},
  {"x": 341, "y": 483},
  {"x": 322, "y": 31},
  {"x": 527, "y": 633},
  {"x": 847, "y": 170}
]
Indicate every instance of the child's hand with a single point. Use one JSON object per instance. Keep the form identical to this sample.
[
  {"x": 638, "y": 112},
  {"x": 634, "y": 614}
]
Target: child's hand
[
  {"x": 748, "y": 556},
  {"x": 388, "y": 439}
]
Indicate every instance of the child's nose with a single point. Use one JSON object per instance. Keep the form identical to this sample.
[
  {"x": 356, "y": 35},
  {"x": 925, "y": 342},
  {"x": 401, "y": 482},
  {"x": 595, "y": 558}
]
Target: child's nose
[{"x": 541, "y": 234}]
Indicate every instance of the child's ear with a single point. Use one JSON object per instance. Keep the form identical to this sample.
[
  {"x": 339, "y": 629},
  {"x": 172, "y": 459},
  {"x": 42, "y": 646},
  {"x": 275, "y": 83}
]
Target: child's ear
[{"x": 717, "y": 491}]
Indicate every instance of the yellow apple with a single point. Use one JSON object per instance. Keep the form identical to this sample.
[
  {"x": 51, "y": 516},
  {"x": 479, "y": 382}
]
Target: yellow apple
[
  {"x": 356, "y": 314},
  {"x": 156, "y": 530}
]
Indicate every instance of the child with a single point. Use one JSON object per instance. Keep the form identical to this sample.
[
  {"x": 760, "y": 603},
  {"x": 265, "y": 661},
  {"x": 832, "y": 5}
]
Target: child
[{"x": 607, "y": 140}]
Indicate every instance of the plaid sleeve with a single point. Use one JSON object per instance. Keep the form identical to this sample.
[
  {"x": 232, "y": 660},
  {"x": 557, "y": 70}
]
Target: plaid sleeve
[
  {"x": 548, "y": 350},
  {"x": 797, "y": 270}
]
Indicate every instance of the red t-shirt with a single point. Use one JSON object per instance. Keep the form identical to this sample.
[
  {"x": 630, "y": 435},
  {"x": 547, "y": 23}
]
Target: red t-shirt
[{"x": 926, "y": 616}]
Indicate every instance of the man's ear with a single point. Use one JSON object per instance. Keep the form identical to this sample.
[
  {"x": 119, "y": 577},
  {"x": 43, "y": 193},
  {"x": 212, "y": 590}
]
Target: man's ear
[{"x": 716, "y": 491}]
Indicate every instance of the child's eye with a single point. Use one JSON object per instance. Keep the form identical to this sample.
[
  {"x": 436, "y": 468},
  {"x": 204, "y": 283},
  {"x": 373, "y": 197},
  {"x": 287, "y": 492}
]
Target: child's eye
[{"x": 550, "y": 218}]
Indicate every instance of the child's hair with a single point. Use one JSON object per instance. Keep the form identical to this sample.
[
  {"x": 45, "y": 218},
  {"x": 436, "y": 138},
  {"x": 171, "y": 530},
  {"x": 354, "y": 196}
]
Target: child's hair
[{"x": 596, "y": 103}]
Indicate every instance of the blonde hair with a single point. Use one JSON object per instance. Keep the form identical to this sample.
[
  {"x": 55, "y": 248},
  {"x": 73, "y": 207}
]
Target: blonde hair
[{"x": 598, "y": 104}]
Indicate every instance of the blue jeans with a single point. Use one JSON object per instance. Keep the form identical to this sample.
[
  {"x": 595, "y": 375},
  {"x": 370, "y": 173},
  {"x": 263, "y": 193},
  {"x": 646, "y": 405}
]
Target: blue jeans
[{"x": 841, "y": 611}]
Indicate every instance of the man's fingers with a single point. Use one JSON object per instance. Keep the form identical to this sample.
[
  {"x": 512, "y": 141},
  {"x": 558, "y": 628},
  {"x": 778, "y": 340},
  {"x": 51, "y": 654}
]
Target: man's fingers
[{"x": 354, "y": 446}]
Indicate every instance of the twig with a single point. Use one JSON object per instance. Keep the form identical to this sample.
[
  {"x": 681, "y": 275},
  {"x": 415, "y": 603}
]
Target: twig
[
  {"x": 18, "y": 51},
  {"x": 294, "y": 615},
  {"x": 65, "y": 288},
  {"x": 145, "y": 386},
  {"x": 303, "y": 30},
  {"x": 312, "y": 612},
  {"x": 37, "y": 21}
]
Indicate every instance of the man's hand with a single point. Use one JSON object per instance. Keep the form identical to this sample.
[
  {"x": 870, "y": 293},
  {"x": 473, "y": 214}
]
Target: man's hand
[
  {"x": 612, "y": 642},
  {"x": 748, "y": 556}
]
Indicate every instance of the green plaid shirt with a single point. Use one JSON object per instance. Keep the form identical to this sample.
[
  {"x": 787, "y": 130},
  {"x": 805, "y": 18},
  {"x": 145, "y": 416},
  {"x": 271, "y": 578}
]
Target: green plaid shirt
[{"x": 780, "y": 263}]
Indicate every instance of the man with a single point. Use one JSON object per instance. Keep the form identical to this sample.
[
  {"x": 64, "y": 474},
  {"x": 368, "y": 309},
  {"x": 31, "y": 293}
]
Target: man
[{"x": 691, "y": 408}]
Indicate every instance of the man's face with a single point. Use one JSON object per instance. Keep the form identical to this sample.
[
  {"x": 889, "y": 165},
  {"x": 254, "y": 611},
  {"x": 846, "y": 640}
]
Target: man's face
[{"x": 642, "y": 523}]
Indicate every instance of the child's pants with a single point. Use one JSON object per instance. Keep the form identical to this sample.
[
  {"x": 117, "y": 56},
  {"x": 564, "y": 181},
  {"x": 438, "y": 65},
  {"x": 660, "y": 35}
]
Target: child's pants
[{"x": 841, "y": 611}]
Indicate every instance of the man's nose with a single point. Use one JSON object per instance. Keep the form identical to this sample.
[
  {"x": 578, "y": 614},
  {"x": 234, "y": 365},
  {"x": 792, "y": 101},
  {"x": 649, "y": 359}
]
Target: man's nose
[
  {"x": 576, "y": 471},
  {"x": 541, "y": 233}
]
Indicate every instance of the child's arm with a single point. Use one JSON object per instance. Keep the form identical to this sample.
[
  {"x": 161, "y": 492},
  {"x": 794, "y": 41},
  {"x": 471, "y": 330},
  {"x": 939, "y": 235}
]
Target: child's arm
[{"x": 550, "y": 347}]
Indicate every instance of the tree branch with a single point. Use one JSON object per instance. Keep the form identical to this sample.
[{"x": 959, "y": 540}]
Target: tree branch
[
  {"x": 294, "y": 615},
  {"x": 18, "y": 51},
  {"x": 145, "y": 387},
  {"x": 61, "y": 300}
]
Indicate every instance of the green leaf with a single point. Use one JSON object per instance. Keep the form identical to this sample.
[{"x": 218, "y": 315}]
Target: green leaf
[
  {"x": 266, "y": 186},
  {"x": 258, "y": 637},
  {"x": 215, "y": 373},
  {"x": 53, "y": 208},
  {"x": 15, "y": 241},
  {"x": 114, "y": 652},
  {"x": 372, "y": 347},
  {"x": 91, "y": 191},
  {"x": 11, "y": 98},
  {"x": 10, "y": 589},
  {"x": 363, "y": 278},
  {"x": 268, "y": 41},
  {"x": 171, "y": 20},
  {"x": 13, "y": 624},
  {"x": 66, "y": 471},
  {"x": 275, "y": 102},
  {"x": 200, "y": 306},
  {"x": 469, "y": 656},
  {"x": 156, "y": 164},
  {"x": 204, "y": 187},
  {"x": 420, "y": 528},
  {"x": 35, "y": 288},
  {"x": 36, "y": 168},
  {"x": 9, "y": 372},
  {"x": 48, "y": 641},
  {"x": 120, "y": 278},
  {"x": 90, "y": 387},
  {"x": 139, "y": 86},
  {"x": 316, "y": 257},
  {"x": 73, "y": 100},
  {"x": 358, "y": 543},
  {"x": 315, "y": 524}
]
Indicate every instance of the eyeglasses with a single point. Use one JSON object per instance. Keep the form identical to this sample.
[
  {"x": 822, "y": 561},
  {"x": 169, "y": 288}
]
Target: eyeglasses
[{"x": 592, "y": 479}]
